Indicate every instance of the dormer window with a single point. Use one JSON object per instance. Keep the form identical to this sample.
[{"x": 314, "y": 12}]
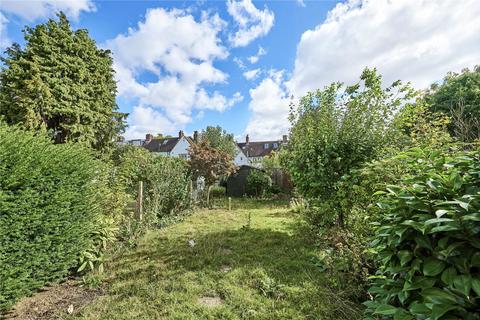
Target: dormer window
[
  {"x": 275, "y": 145},
  {"x": 265, "y": 146}
]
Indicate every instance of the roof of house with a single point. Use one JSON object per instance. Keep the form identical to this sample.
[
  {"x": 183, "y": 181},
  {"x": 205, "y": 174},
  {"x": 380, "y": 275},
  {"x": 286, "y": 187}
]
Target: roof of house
[
  {"x": 163, "y": 144},
  {"x": 259, "y": 148}
]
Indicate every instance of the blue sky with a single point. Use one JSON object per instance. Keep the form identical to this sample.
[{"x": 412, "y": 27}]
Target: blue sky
[{"x": 183, "y": 65}]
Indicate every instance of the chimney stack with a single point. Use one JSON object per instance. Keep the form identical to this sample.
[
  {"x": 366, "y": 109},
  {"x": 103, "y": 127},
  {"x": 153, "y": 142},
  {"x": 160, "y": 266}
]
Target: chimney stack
[
  {"x": 148, "y": 137},
  {"x": 247, "y": 139},
  {"x": 285, "y": 138},
  {"x": 195, "y": 136},
  {"x": 180, "y": 134}
]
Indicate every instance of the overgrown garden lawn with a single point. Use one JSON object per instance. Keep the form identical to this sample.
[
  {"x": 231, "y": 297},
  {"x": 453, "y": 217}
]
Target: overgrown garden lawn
[{"x": 235, "y": 270}]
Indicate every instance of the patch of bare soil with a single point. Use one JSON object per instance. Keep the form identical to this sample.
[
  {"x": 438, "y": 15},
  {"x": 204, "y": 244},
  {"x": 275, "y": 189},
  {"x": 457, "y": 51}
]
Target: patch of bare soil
[
  {"x": 53, "y": 302},
  {"x": 210, "y": 302}
]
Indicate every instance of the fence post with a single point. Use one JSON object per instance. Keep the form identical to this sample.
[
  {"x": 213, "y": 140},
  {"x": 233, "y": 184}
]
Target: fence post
[
  {"x": 190, "y": 187},
  {"x": 139, "y": 206},
  {"x": 229, "y": 203}
]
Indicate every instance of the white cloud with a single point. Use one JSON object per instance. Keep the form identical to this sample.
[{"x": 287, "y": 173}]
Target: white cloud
[
  {"x": 252, "y": 22},
  {"x": 251, "y": 74},
  {"x": 301, "y": 3},
  {"x": 178, "y": 52},
  {"x": 269, "y": 106},
  {"x": 239, "y": 63},
  {"x": 4, "y": 40},
  {"x": 31, "y": 10},
  {"x": 145, "y": 120},
  {"x": 411, "y": 40},
  {"x": 261, "y": 52}
]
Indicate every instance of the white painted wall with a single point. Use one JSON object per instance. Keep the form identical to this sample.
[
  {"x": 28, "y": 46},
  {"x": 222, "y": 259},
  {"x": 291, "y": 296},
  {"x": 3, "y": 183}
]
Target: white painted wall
[
  {"x": 181, "y": 148},
  {"x": 256, "y": 162},
  {"x": 240, "y": 159}
]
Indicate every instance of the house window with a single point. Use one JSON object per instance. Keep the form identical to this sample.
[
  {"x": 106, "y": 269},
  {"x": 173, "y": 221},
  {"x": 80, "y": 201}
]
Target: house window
[
  {"x": 275, "y": 145},
  {"x": 265, "y": 146},
  {"x": 183, "y": 156}
]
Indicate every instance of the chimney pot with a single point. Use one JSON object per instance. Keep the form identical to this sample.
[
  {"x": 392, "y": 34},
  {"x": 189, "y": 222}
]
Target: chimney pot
[
  {"x": 247, "y": 139},
  {"x": 148, "y": 137},
  {"x": 180, "y": 134},
  {"x": 195, "y": 136},
  {"x": 285, "y": 138}
]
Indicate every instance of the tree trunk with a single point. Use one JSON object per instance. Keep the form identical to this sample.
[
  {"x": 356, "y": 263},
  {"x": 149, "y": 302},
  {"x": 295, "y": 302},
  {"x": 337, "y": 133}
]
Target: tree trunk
[{"x": 208, "y": 195}]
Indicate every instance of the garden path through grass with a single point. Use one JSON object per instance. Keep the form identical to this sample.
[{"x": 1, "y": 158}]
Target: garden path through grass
[{"x": 232, "y": 272}]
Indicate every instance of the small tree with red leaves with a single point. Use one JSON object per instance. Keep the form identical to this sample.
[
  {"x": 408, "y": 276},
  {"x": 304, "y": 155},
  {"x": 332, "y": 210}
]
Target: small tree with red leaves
[{"x": 209, "y": 163}]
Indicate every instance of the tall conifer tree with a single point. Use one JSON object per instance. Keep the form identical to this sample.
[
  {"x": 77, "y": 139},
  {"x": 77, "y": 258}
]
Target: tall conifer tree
[{"x": 61, "y": 82}]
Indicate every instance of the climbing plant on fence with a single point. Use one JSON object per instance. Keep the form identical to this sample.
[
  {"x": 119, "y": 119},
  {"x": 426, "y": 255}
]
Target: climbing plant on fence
[{"x": 427, "y": 245}]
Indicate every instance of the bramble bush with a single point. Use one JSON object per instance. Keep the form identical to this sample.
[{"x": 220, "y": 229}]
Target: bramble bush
[
  {"x": 427, "y": 241},
  {"x": 48, "y": 207}
]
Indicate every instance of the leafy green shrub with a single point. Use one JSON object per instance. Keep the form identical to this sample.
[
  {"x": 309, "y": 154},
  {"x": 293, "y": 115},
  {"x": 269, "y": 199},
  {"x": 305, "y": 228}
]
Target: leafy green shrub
[
  {"x": 218, "y": 191},
  {"x": 338, "y": 129},
  {"x": 166, "y": 181},
  {"x": 459, "y": 97},
  {"x": 257, "y": 183},
  {"x": 427, "y": 244},
  {"x": 114, "y": 213},
  {"x": 48, "y": 206}
]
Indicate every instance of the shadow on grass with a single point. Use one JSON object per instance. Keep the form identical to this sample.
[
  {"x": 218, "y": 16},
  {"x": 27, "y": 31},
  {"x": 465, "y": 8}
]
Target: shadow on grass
[
  {"x": 255, "y": 258},
  {"x": 275, "y": 251}
]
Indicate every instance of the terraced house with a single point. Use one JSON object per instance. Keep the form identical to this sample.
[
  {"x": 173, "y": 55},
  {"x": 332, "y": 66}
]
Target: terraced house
[
  {"x": 249, "y": 153},
  {"x": 255, "y": 151},
  {"x": 169, "y": 146}
]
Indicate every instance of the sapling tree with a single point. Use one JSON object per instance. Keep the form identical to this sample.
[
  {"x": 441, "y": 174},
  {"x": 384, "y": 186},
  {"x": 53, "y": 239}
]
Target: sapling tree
[{"x": 339, "y": 128}]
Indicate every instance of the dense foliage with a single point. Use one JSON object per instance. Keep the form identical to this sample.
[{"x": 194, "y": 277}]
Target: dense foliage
[
  {"x": 63, "y": 83},
  {"x": 459, "y": 97},
  {"x": 48, "y": 205},
  {"x": 334, "y": 132},
  {"x": 427, "y": 245},
  {"x": 209, "y": 163},
  {"x": 272, "y": 162},
  {"x": 166, "y": 180},
  {"x": 219, "y": 139},
  {"x": 257, "y": 183}
]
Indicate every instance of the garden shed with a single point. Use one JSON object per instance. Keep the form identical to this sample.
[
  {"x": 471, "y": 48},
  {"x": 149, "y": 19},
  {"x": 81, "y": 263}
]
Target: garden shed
[{"x": 236, "y": 183}]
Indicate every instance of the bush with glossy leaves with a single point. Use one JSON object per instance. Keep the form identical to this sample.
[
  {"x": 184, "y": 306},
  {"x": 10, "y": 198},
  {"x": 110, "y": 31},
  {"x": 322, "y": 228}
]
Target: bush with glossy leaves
[{"x": 427, "y": 243}]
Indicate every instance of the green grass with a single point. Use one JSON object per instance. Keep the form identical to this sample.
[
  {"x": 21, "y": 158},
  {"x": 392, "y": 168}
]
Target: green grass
[{"x": 258, "y": 272}]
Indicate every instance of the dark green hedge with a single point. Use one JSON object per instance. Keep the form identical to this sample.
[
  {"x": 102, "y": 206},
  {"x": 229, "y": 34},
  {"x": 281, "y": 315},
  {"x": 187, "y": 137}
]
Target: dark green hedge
[{"x": 46, "y": 210}]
